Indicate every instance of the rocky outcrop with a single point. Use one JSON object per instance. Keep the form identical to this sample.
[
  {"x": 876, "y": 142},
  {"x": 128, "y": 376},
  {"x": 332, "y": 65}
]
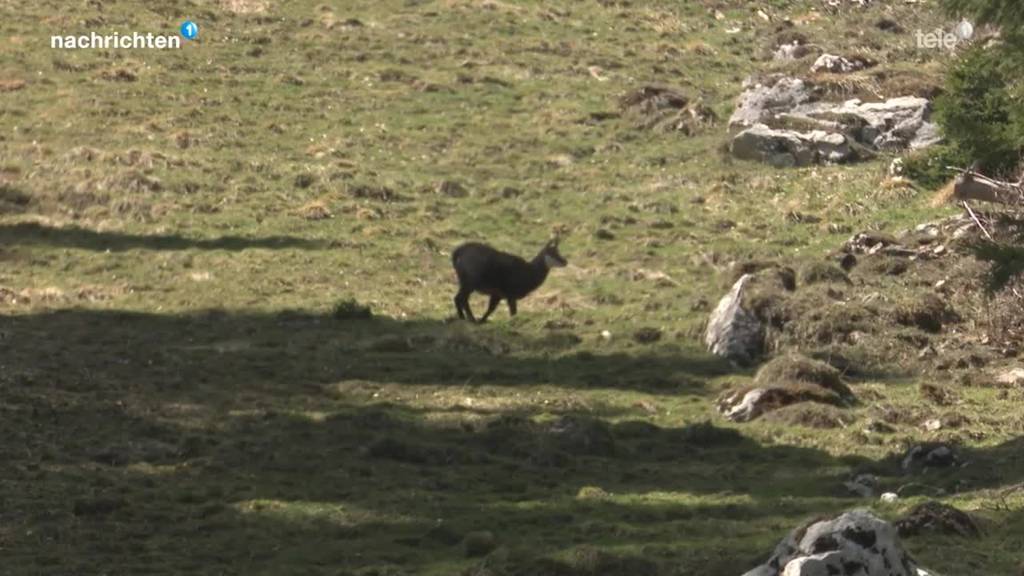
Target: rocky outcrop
[
  {"x": 856, "y": 543},
  {"x": 780, "y": 122},
  {"x": 896, "y": 124}
]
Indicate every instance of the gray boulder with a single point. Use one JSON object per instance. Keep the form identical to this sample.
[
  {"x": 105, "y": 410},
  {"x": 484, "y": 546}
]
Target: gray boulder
[
  {"x": 734, "y": 332},
  {"x": 761, "y": 101},
  {"x": 896, "y": 124},
  {"x": 786, "y": 148},
  {"x": 856, "y": 543}
]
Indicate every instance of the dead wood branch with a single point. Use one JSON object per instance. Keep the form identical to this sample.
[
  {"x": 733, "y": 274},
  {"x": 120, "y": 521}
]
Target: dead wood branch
[{"x": 971, "y": 185}]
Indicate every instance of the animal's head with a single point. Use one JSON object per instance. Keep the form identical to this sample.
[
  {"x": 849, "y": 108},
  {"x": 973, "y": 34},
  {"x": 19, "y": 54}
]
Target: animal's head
[{"x": 552, "y": 257}]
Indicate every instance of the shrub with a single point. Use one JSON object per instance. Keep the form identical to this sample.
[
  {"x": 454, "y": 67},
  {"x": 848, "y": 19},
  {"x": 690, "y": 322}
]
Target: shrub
[
  {"x": 350, "y": 309},
  {"x": 928, "y": 167},
  {"x": 981, "y": 113}
]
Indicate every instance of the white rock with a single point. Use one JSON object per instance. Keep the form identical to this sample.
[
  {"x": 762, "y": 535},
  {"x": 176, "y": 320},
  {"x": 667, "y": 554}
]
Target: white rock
[
  {"x": 743, "y": 409},
  {"x": 826, "y": 564},
  {"x": 760, "y": 102},
  {"x": 897, "y": 167},
  {"x": 734, "y": 332},
  {"x": 836, "y": 64},
  {"x": 791, "y": 51},
  {"x": 856, "y": 543},
  {"x": 889, "y": 497},
  {"x": 1012, "y": 377}
]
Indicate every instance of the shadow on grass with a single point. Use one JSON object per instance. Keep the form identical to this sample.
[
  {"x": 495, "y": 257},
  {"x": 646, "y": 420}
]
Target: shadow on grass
[
  {"x": 254, "y": 443},
  {"x": 387, "y": 489},
  {"x": 72, "y": 237},
  {"x": 286, "y": 351}
]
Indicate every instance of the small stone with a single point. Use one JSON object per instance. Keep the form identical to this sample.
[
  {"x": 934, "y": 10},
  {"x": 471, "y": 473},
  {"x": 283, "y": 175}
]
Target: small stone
[{"x": 889, "y": 497}]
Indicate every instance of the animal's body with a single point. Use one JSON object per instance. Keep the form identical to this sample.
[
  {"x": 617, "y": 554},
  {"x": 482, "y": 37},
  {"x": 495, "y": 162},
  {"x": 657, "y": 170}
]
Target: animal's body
[{"x": 500, "y": 275}]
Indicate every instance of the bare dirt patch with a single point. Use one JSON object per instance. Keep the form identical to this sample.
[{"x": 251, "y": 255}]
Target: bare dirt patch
[{"x": 245, "y": 6}]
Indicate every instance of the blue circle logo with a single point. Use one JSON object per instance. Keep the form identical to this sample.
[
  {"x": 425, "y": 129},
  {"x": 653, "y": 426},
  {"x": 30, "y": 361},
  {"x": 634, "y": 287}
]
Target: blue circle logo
[{"x": 189, "y": 30}]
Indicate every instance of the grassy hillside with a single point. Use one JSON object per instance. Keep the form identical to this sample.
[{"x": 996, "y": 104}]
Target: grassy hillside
[{"x": 183, "y": 386}]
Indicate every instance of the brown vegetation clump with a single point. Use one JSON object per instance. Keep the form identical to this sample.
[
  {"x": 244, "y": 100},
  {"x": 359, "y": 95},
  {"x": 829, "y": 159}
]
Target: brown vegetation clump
[
  {"x": 823, "y": 272},
  {"x": 818, "y": 319},
  {"x": 928, "y": 312},
  {"x": 784, "y": 381},
  {"x": 667, "y": 110},
  {"x": 768, "y": 292},
  {"x": 938, "y": 395},
  {"x": 12, "y": 200},
  {"x": 937, "y": 517},
  {"x": 803, "y": 374},
  {"x": 810, "y": 415},
  {"x": 1004, "y": 321},
  {"x": 315, "y": 210}
]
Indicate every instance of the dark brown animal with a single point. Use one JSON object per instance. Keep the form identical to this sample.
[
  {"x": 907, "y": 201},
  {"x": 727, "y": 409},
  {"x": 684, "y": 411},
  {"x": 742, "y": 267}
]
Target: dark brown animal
[{"x": 502, "y": 276}]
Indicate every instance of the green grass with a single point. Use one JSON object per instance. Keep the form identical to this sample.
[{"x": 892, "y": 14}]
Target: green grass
[{"x": 179, "y": 394}]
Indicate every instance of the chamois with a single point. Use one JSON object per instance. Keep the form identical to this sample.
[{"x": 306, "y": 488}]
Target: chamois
[{"x": 502, "y": 276}]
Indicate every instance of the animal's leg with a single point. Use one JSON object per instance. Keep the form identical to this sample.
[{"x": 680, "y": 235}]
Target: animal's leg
[
  {"x": 458, "y": 307},
  {"x": 490, "y": 308},
  {"x": 511, "y": 307},
  {"x": 462, "y": 302}
]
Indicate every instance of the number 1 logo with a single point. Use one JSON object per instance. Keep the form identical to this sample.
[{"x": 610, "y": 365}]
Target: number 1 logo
[{"x": 189, "y": 30}]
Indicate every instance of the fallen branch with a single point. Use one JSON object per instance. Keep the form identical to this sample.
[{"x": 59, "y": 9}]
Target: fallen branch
[
  {"x": 971, "y": 185},
  {"x": 975, "y": 218}
]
